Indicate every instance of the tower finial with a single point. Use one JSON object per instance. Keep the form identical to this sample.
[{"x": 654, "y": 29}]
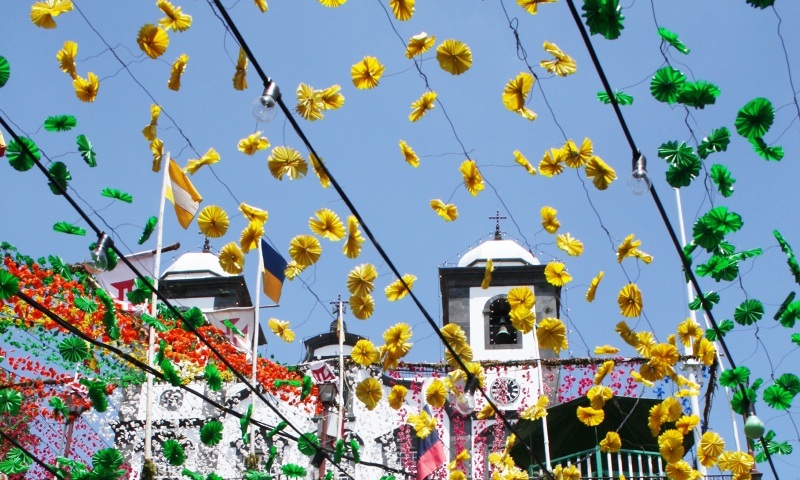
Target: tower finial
[
  {"x": 497, "y": 218},
  {"x": 206, "y": 246}
]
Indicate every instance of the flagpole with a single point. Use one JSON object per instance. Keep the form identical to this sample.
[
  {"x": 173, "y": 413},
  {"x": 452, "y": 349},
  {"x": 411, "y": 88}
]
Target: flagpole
[
  {"x": 340, "y": 399},
  {"x": 151, "y": 333},
  {"x": 545, "y": 433},
  {"x": 255, "y": 343}
]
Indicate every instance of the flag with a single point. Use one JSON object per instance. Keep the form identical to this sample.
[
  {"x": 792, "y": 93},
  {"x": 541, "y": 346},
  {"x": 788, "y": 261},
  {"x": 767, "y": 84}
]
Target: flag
[
  {"x": 119, "y": 281},
  {"x": 182, "y": 195},
  {"x": 242, "y": 319},
  {"x": 430, "y": 454},
  {"x": 273, "y": 274}
]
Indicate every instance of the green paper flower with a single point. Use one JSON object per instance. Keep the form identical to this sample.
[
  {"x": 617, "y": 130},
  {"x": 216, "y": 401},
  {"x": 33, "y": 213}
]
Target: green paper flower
[
  {"x": 194, "y": 317},
  {"x": 738, "y": 403},
  {"x": 720, "y": 268},
  {"x": 60, "y": 267},
  {"x": 59, "y": 408},
  {"x": 61, "y": 175},
  {"x": 293, "y": 471},
  {"x": 5, "y": 71},
  {"x": 9, "y": 285},
  {"x": 354, "y": 448},
  {"x": 233, "y": 328},
  {"x": 10, "y": 401},
  {"x": 280, "y": 426},
  {"x": 711, "y": 299},
  {"x": 192, "y": 475},
  {"x": 789, "y": 382},
  {"x": 308, "y": 444},
  {"x": 211, "y": 432},
  {"x": 717, "y": 141},
  {"x": 722, "y": 179},
  {"x": 724, "y": 221},
  {"x": 60, "y": 123},
  {"x": 106, "y": 463},
  {"x": 117, "y": 195},
  {"x": 755, "y": 118},
  {"x": 604, "y": 17},
  {"x": 790, "y": 315},
  {"x": 173, "y": 452},
  {"x": 74, "y": 349},
  {"x": 791, "y": 260},
  {"x": 725, "y": 326},
  {"x": 16, "y": 462},
  {"x": 155, "y": 323},
  {"x": 244, "y": 423},
  {"x": 85, "y": 304},
  {"x": 778, "y": 398},
  {"x": 68, "y": 228},
  {"x": 748, "y": 312},
  {"x": 213, "y": 378},
  {"x": 308, "y": 384},
  {"x": 667, "y": 84},
  {"x": 86, "y": 150},
  {"x": 698, "y": 94},
  {"x": 762, "y": 4},
  {"x": 732, "y": 378},
  {"x": 774, "y": 154},
  {"x": 97, "y": 394},
  {"x": 162, "y": 350},
  {"x": 214, "y": 476},
  {"x": 621, "y": 97},
  {"x": 672, "y": 39},
  {"x": 677, "y": 153},
  {"x": 338, "y": 451},
  {"x": 170, "y": 373},
  {"x": 783, "y": 306},
  {"x": 23, "y": 154},
  {"x": 140, "y": 293},
  {"x": 149, "y": 228},
  {"x": 682, "y": 175},
  {"x": 256, "y": 475}
]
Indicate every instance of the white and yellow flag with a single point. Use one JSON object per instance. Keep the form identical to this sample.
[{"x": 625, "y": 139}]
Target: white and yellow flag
[{"x": 183, "y": 195}]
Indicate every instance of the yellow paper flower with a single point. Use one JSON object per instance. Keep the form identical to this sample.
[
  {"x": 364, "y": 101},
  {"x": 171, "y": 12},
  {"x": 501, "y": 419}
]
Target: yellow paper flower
[
  {"x": 419, "y": 44},
  {"x": 462, "y": 457},
  {"x": 396, "y": 339},
  {"x": 556, "y": 274},
  {"x": 516, "y": 91},
  {"x": 397, "y": 396},
  {"x": 309, "y": 102},
  {"x": 421, "y": 106},
  {"x": 327, "y": 225},
  {"x": 487, "y": 273},
  {"x": 552, "y": 162},
  {"x": 591, "y": 417},
  {"x": 537, "y": 410},
  {"x": 331, "y": 97},
  {"x": 486, "y": 412},
  {"x": 706, "y": 351},
  {"x": 281, "y": 329},
  {"x": 673, "y": 408},
  {"x": 251, "y": 235},
  {"x": 436, "y": 393},
  {"x": 670, "y": 445},
  {"x": 679, "y": 470},
  {"x": 575, "y": 157},
  {"x": 454, "y": 56},
  {"x": 606, "y": 350},
  {"x": 253, "y": 214},
  {"x": 157, "y": 147},
  {"x": 552, "y": 334},
  {"x": 664, "y": 353},
  {"x": 367, "y": 73},
  {"x": 464, "y": 353},
  {"x": 593, "y": 287},
  {"x": 611, "y": 443},
  {"x": 630, "y": 301},
  {"x": 601, "y": 174},
  {"x": 423, "y": 424},
  {"x": 689, "y": 330},
  {"x": 711, "y": 447},
  {"x": 472, "y": 177},
  {"x": 149, "y": 131},
  {"x": 738, "y": 463},
  {"x": 521, "y": 160},
  {"x": 86, "y": 88},
  {"x": 286, "y": 161},
  {"x": 360, "y": 279},
  {"x": 332, "y": 3},
  {"x": 293, "y": 269},
  {"x": 598, "y": 395},
  {"x": 305, "y": 249},
  {"x": 396, "y": 290},
  {"x": 402, "y": 9},
  {"x": 563, "y": 64},
  {"x": 448, "y": 211},
  {"x": 369, "y": 391},
  {"x": 644, "y": 342},
  {"x": 177, "y": 70},
  {"x": 362, "y": 306},
  {"x": 457, "y": 475},
  {"x": 153, "y": 40},
  {"x": 549, "y": 221},
  {"x": 640, "y": 379},
  {"x": 66, "y": 59},
  {"x": 209, "y": 158},
  {"x": 240, "y": 75},
  {"x": 323, "y": 177},
  {"x": 604, "y": 369},
  {"x": 530, "y": 6},
  {"x": 521, "y": 297},
  {"x": 231, "y": 259},
  {"x": 569, "y": 244},
  {"x": 43, "y": 13},
  {"x": 251, "y": 144},
  {"x": 364, "y": 353},
  {"x": 523, "y": 319},
  {"x": 213, "y": 221},
  {"x": 630, "y": 248},
  {"x": 686, "y": 423},
  {"x": 262, "y": 5},
  {"x": 410, "y": 156},
  {"x": 175, "y": 18},
  {"x": 352, "y": 246},
  {"x": 455, "y": 335}
]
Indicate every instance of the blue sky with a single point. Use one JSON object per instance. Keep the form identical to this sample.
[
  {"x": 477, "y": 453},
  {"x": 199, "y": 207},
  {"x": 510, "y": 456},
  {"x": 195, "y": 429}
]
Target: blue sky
[{"x": 732, "y": 45}]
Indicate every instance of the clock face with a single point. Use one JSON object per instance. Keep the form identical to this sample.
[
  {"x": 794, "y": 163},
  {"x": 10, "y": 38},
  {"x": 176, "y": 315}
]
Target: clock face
[{"x": 504, "y": 390}]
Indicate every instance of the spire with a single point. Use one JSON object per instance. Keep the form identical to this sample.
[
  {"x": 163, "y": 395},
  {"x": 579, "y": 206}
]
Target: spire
[
  {"x": 206, "y": 246},
  {"x": 497, "y": 234}
]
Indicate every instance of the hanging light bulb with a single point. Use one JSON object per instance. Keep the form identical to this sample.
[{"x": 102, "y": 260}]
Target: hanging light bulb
[
  {"x": 97, "y": 260},
  {"x": 754, "y": 427},
  {"x": 639, "y": 181},
  {"x": 466, "y": 402},
  {"x": 265, "y": 107}
]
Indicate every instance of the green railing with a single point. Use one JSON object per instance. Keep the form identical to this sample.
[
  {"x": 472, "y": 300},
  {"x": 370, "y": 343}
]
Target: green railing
[{"x": 592, "y": 463}]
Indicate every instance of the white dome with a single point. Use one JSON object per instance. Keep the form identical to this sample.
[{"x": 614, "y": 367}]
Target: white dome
[
  {"x": 195, "y": 265},
  {"x": 502, "y": 252}
]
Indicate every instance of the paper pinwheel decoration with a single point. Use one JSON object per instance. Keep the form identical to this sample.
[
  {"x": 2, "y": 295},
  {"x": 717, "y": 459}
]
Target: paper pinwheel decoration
[
  {"x": 770, "y": 153},
  {"x": 16, "y": 462},
  {"x": 43, "y": 13},
  {"x": 684, "y": 164},
  {"x": 667, "y": 84},
  {"x": 621, "y": 97},
  {"x": 327, "y": 225},
  {"x": 319, "y": 171},
  {"x": 65, "y": 227},
  {"x": 419, "y": 44},
  {"x": 710, "y": 229},
  {"x": 530, "y": 6},
  {"x": 277, "y": 429},
  {"x": 23, "y": 154},
  {"x": 97, "y": 394},
  {"x": 61, "y": 175},
  {"x": 672, "y": 39},
  {"x": 244, "y": 423},
  {"x": 86, "y": 150},
  {"x": 155, "y": 323},
  {"x": 10, "y": 401},
  {"x": 74, "y": 349},
  {"x": 140, "y": 293},
  {"x": 175, "y": 19},
  {"x": 211, "y": 432},
  {"x": 717, "y": 141},
  {"x": 5, "y": 71},
  {"x": 59, "y": 407},
  {"x": 106, "y": 463},
  {"x": 9, "y": 285},
  {"x": 60, "y": 123},
  {"x": 421, "y": 106},
  {"x": 178, "y": 67},
  {"x": 173, "y": 452},
  {"x": 240, "y": 76},
  {"x": 153, "y": 40},
  {"x": 773, "y": 447},
  {"x": 604, "y": 17},
  {"x": 170, "y": 373},
  {"x": 755, "y": 118},
  {"x": 762, "y": 4},
  {"x": 256, "y": 475},
  {"x": 286, "y": 161},
  {"x": 293, "y": 471},
  {"x": 403, "y": 9},
  {"x": 213, "y": 377},
  {"x": 149, "y": 228},
  {"x": 367, "y": 73},
  {"x": 790, "y": 315},
  {"x": 725, "y": 326},
  {"x": 86, "y": 89},
  {"x": 698, "y": 94},
  {"x": 192, "y": 475},
  {"x": 454, "y": 56},
  {"x": 308, "y": 444},
  {"x": 748, "y": 312}
]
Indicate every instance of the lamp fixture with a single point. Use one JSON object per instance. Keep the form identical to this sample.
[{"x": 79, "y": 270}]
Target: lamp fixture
[
  {"x": 265, "y": 107},
  {"x": 97, "y": 260},
  {"x": 639, "y": 181}
]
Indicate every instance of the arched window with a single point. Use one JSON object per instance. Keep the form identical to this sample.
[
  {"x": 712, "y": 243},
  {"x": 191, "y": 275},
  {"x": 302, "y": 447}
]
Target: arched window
[{"x": 499, "y": 332}]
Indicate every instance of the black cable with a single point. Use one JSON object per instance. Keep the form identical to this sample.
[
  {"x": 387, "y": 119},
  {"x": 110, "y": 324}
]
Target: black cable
[{"x": 30, "y": 455}]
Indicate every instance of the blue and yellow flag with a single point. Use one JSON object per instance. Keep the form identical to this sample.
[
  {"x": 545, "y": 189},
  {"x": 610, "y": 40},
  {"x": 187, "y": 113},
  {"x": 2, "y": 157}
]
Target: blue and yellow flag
[{"x": 273, "y": 274}]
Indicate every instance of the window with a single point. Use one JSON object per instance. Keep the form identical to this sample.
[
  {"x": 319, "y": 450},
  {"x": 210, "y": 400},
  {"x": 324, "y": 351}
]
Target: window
[{"x": 500, "y": 333}]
